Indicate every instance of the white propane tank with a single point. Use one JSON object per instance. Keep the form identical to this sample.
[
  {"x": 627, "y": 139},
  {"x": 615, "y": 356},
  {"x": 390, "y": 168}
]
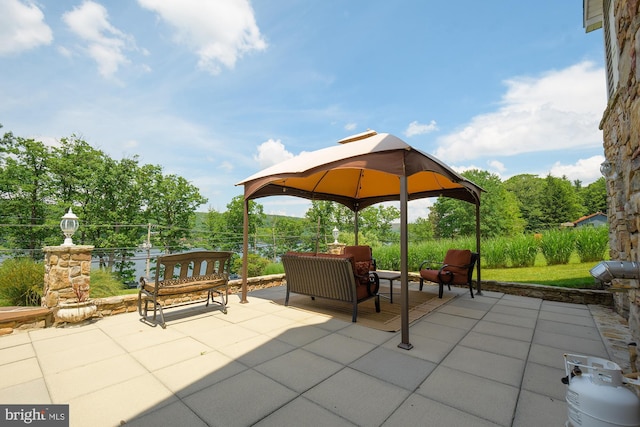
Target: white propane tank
[{"x": 597, "y": 395}]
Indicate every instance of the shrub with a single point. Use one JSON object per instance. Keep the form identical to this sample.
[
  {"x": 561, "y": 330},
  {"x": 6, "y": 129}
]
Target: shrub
[
  {"x": 273, "y": 268},
  {"x": 21, "y": 281},
  {"x": 557, "y": 246},
  {"x": 255, "y": 265},
  {"x": 104, "y": 284},
  {"x": 591, "y": 243},
  {"x": 522, "y": 251}
]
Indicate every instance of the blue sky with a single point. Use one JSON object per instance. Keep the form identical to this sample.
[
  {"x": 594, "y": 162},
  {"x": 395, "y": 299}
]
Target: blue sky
[{"x": 216, "y": 90}]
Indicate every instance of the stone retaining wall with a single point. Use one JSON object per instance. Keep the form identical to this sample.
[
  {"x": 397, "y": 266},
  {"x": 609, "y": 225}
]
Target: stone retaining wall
[
  {"x": 552, "y": 293},
  {"x": 127, "y": 303}
]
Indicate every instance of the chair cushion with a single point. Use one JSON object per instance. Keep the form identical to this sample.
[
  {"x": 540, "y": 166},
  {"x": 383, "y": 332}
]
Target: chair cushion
[
  {"x": 458, "y": 261},
  {"x": 432, "y": 275},
  {"x": 359, "y": 252}
]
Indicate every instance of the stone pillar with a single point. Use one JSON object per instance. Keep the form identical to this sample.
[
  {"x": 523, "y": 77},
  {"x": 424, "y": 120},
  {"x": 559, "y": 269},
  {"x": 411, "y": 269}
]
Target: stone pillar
[
  {"x": 335, "y": 248},
  {"x": 67, "y": 271}
]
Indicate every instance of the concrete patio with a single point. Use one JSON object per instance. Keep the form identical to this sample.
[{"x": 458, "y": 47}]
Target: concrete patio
[{"x": 493, "y": 360}]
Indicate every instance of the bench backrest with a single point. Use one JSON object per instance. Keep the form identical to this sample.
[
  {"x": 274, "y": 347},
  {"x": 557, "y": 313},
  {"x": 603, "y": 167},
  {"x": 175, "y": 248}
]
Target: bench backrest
[
  {"x": 326, "y": 276},
  {"x": 192, "y": 265}
]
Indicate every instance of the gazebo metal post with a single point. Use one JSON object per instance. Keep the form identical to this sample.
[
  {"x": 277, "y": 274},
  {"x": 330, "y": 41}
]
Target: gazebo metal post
[
  {"x": 404, "y": 274},
  {"x": 479, "y": 286},
  {"x": 245, "y": 251},
  {"x": 355, "y": 225}
]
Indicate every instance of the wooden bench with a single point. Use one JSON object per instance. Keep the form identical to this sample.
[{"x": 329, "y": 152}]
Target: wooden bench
[
  {"x": 329, "y": 276},
  {"x": 184, "y": 273}
]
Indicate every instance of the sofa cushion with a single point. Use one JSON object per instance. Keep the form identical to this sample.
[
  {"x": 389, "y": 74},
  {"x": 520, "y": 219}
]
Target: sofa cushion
[{"x": 362, "y": 271}]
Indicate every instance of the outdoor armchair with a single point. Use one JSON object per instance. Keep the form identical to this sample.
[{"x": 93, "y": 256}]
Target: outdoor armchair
[{"x": 455, "y": 269}]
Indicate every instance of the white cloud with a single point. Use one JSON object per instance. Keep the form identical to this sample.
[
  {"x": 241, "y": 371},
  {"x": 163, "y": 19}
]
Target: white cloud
[
  {"x": 416, "y": 128},
  {"x": 271, "y": 152},
  {"x": 104, "y": 43},
  {"x": 22, "y": 27},
  {"x": 131, "y": 143},
  {"x": 64, "y": 52},
  {"x": 585, "y": 170},
  {"x": 496, "y": 165},
  {"x": 556, "y": 111},
  {"x": 350, "y": 126},
  {"x": 418, "y": 209},
  {"x": 226, "y": 166},
  {"x": 286, "y": 205},
  {"x": 219, "y": 32}
]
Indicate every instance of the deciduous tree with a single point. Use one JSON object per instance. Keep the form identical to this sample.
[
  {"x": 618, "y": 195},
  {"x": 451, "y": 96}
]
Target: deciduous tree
[{"x": 499, "y": 213}]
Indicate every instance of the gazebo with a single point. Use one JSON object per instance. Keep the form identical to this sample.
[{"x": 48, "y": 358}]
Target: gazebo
[{"x": 360, "y": 171}]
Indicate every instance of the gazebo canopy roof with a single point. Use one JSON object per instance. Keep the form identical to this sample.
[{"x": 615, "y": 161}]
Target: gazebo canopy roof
[{"x": 361, "y": 171}]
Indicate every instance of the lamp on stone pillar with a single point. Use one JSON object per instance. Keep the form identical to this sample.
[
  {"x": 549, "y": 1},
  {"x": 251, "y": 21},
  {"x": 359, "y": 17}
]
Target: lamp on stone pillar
[
  {"x": 606, "y": 169},
  {"x": 69, "y": 225},
  {"x": 335, "y": 233}
]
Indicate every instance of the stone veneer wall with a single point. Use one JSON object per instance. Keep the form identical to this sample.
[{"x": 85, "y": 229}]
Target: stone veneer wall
[
  {"x": 621, "y": 134},
  {"x": 65, "y": 267}
]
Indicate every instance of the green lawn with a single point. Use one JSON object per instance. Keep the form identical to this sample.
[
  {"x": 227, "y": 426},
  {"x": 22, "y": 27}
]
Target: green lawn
[
  {"x": 568, "y": 276},
  {"x": 572, "y": 275}
]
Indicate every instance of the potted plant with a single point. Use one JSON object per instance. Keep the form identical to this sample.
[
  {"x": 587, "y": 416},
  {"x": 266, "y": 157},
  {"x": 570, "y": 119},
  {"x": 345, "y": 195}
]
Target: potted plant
[{"x": 76, "y": 311}]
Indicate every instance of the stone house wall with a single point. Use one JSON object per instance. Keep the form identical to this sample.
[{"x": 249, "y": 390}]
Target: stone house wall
[{"x": 621, "y": 135}]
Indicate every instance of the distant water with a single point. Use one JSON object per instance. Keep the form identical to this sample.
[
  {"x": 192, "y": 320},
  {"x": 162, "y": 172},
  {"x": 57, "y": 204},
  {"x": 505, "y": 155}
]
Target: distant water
[{"x": 139, "y": 259}]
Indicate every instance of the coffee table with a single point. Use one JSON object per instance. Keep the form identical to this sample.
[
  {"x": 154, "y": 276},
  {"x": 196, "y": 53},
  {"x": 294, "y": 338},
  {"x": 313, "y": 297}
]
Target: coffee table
[{"x": 390, "y": 276}]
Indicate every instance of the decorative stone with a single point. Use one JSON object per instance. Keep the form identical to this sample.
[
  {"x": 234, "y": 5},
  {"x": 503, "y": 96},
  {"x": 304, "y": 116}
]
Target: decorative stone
[
  {"x": 335, "y": 248},
  {"x": 74, "y": 312}
]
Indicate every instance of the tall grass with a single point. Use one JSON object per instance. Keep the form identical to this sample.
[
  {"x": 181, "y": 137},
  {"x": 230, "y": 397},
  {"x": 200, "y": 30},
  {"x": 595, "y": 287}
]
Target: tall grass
[
  {"x": 557, "y": 246},
  {"x": 591, "y": 243},
  {"x": 387, "y": 257},
  {"x": 104, "y": 284},
  {"x": 494, "y": 253},
  {"x": 21, "y": 282},
  {"x": 522, "y": 250},
  {"x": 273, "y": 268}
]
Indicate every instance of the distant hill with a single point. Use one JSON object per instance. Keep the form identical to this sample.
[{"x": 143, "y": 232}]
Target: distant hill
[{"x": 201, "y": 219}]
